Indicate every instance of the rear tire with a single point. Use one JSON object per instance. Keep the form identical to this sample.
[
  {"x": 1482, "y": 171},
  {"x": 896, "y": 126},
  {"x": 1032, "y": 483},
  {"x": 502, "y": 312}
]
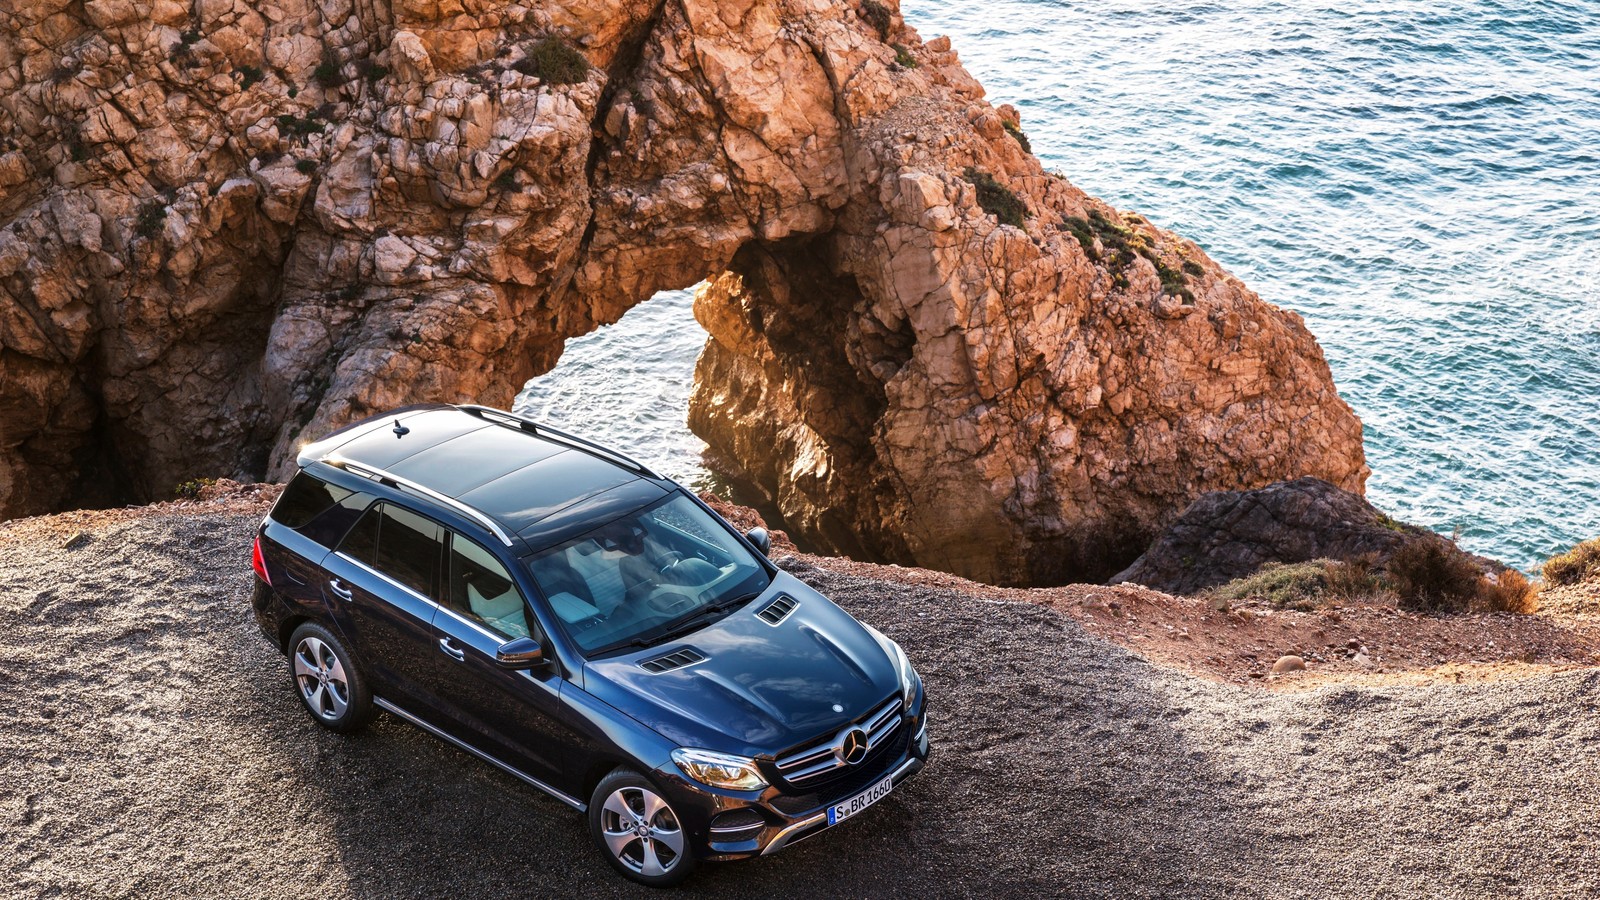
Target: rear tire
[
  {"x": 327, "y": 681},
  {"x": 638, "y": 832}
]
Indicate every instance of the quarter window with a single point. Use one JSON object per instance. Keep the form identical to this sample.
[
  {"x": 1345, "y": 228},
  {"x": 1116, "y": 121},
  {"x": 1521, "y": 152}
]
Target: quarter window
[
  {"x": 482, "y": 590},
  {"x": 361, "y": 544},
  {"x": 317, "y": 509}
]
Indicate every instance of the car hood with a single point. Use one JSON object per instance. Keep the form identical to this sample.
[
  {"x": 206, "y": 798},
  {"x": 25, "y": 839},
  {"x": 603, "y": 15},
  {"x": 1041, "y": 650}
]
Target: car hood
[{"x": 761, "y": 688}]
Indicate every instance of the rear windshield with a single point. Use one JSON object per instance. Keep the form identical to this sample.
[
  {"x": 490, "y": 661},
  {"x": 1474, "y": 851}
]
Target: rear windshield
[{"x": 321, "y": 511}]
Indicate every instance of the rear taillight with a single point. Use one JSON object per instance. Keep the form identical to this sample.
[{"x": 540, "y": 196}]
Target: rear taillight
[{"x": 258, "y": 563}]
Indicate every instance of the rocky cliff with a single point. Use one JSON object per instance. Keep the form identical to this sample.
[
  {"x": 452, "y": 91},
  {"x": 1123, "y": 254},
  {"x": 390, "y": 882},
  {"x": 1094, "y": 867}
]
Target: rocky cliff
[{"x": 228, "y": 225}]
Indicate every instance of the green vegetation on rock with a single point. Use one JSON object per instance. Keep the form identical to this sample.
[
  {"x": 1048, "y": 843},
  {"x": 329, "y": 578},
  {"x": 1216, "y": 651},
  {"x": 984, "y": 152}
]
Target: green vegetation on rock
[
  {"x": 553, "y": 61},
  {"x": 996, "y": 199},
  {"x": 1119, "y": 245},
  {"x": 878, "y": 16},
  {"x": 1015, "y": 131},
  {"x": 151, "y": 215}
]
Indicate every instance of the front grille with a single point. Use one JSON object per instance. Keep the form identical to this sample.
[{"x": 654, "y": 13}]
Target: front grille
[
  {"x": 816, "y": 763},
  {"x": 860, "y": 777},
  {"x": 677, "y": 659}
]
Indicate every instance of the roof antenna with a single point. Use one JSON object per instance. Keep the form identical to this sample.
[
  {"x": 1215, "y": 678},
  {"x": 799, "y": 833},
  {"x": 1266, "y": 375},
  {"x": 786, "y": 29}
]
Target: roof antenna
[{"x": 400, "y": 431}]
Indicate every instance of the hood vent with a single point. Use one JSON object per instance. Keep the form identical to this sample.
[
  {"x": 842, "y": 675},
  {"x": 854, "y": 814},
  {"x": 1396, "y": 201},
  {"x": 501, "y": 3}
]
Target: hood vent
[
  {"x": 779, "y": 609},
  {"x": 677, "y": 659}
]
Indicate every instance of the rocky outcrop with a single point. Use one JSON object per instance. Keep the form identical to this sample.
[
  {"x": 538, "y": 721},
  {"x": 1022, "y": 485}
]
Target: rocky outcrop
[
  {"x": 1231, "y": 534},
  {"x": 230, "y": 225}
]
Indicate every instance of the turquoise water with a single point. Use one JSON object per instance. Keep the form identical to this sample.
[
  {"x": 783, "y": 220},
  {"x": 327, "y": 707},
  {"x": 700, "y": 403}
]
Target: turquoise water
[{"x": 1421, "y": 181}]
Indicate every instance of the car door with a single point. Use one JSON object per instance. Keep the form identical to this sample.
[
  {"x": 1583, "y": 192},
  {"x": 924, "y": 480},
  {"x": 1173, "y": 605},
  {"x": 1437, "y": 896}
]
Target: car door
[
  {"x": 514, "y": 715},
  {"x": 382, "y": 579}
]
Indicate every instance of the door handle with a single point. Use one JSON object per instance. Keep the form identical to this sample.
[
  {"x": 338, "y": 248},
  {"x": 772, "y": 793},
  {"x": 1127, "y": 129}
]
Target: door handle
[
  {"x": 339, "y": 590},
  {"x": 451, "y": 650}
]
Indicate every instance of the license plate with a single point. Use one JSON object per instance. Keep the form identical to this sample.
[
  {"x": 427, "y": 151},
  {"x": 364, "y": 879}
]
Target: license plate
[{"x": 871, "y": 795}]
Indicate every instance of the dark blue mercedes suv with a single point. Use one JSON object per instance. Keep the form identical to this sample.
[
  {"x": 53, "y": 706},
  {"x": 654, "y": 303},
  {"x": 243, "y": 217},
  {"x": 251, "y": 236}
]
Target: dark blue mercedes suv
[{"x": 562, "y": 612}]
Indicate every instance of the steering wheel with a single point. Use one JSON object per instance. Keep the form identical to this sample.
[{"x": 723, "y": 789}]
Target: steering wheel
[{"x": 673, "y": 557}]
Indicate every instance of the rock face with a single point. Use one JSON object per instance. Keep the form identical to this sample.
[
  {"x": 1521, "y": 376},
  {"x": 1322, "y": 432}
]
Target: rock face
[
  {"x": 228, "y": 225},
  {"x": 1231, "y": 534}
]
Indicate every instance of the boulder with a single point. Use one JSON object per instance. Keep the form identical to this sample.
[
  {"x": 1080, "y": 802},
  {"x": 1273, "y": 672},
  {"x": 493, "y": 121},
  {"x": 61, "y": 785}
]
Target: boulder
[{"x": 1230, "y": 534}]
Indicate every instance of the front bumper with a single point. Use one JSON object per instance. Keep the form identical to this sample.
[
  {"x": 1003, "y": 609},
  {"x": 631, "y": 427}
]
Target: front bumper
[
  {"x": 777, "y": 823},
  {"x": 818, "y": 821}
]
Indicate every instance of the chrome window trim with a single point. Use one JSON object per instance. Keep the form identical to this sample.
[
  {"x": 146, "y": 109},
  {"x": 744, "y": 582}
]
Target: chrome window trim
[
  {"x": 477, "y": 626},
  {"x": 381, "y": 475},
  {"x": 507, "y": 767},
  {"x": 388, "y": 578}
]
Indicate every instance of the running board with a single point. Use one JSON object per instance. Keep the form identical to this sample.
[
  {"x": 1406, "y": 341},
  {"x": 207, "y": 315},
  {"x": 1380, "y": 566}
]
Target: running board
[{"x": 569, "y": 800}]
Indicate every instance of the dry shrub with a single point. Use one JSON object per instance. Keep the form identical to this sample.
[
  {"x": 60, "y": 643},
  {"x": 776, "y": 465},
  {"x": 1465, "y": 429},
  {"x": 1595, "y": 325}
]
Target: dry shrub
[
  {"x": 1509, "y": 592},
  {"x": 1353, "y": 579},
  {"x": 1430, "y": 575},
  {"x": 1579, "y": 564},
  {"x": 1433, "y": 575}
]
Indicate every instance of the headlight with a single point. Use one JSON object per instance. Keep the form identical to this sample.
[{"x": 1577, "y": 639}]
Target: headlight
[
  {"x": 721, "y": 770},
  {"x": 908, "y": 675}
]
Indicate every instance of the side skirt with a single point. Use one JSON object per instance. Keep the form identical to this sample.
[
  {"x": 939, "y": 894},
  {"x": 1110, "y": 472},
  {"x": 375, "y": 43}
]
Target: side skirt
[{"x": 568, "y": 799}]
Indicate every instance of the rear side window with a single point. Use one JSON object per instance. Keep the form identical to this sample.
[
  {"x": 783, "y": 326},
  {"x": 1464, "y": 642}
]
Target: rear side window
[
  {"x": 321, "y": 511},
  {"x": 400, "y": 544},
  {"x": 409, "y": 549}
]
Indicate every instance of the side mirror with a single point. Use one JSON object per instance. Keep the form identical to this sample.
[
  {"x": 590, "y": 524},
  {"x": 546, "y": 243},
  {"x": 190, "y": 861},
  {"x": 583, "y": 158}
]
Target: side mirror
[
  {"x": 522, "y": 653},
  {"x": 760, "y": 538}
]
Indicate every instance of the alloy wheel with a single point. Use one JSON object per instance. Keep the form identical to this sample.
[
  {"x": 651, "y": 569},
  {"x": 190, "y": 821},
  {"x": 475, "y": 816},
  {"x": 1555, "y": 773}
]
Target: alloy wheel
[
  {"x": 321, "y": 678},
  {"x": 642, "y": 831}
]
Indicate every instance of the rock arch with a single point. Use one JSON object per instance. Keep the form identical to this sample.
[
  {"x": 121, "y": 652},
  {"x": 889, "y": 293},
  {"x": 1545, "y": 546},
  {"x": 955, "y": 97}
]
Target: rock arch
[{"x": 227, "y": 229}]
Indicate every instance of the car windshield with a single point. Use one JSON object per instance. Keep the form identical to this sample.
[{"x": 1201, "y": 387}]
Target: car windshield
[{"x": 647, "y": 576}]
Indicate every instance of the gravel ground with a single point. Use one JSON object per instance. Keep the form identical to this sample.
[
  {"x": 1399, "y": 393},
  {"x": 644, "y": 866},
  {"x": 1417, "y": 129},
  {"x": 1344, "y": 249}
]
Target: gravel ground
[{"x": 150, "y": 747}]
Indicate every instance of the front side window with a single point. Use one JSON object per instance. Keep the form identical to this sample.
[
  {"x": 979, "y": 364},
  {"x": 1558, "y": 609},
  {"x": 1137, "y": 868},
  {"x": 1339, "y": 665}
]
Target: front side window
[
  {"x": 400, "y": 544},
  {"x": 646, "y": 576},
  {"x": 482, "y": 590}
]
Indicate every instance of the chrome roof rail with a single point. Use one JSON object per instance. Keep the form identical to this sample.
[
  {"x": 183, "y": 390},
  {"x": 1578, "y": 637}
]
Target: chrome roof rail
[
  {"x": 385, "y": 477},
  {"x": 523, "y": 423}
]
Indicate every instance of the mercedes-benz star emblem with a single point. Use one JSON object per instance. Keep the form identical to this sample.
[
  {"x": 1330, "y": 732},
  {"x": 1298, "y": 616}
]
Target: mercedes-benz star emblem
[{"x": 852, "y": 746}]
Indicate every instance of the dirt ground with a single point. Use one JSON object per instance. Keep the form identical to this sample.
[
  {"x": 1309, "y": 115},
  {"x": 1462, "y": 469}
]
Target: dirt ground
[{"x": 150, "y": 747}]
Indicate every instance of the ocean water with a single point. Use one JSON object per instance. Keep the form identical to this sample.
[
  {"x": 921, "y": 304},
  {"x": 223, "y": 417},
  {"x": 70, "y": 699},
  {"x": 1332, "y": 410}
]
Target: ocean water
[{"x": 1420, "y": 181}]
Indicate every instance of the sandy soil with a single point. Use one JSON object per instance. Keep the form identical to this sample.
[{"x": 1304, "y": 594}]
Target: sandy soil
[{"x": 149, "y": 746}]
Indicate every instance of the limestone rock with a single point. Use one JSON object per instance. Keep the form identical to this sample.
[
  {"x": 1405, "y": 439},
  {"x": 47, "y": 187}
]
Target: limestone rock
[{"x": 229, "y": 227}]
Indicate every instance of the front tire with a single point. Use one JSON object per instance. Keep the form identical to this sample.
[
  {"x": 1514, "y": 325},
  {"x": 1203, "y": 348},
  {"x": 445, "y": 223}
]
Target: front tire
[
  {"x": 638, "y": 831},
  {"x": 327, "y": 681}
]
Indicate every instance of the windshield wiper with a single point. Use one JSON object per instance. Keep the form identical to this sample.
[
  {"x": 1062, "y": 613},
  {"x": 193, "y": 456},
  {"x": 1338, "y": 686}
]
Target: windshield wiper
[
  {"x": 688, "y": 623},
  {"x": 618, "y": 645},
  {"x": 695, "y": 619}
]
